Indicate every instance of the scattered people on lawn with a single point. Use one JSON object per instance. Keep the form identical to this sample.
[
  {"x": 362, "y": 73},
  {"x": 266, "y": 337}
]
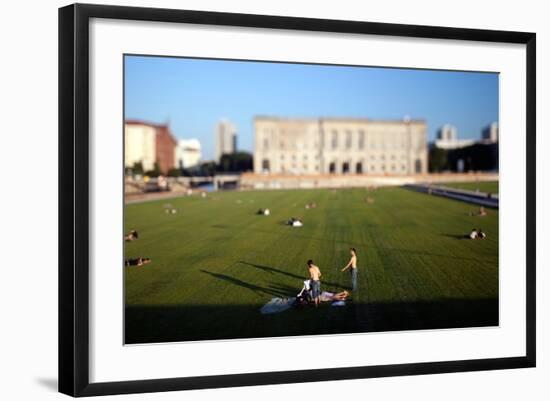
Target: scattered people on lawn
[
  {"x": 311, "y": 205},
  {"x": 480, "y": 213},
  {"x": 352, "y": 264},
  {"x": 315, "y": 277},
  {"x": 131, "y": 236},
  {"x": 369, "y": 200},
  {"x": 294, "y": 222},
  {"x": 162, "y": 182},
  {"x": 136, "y": 262},
  {"x": 331, "y": 296},
  {"x": 203, "y": 194},
  {"x": 304, "y": 296},
  {"x": 170, "y": 211},
  {"x": 264, "y": 212},
  {"x": 477, "y": 234}
]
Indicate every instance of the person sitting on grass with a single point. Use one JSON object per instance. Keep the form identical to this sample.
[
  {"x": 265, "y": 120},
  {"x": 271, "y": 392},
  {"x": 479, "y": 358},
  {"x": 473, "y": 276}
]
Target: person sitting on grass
[
  {"x": 132, "y": 236},
  {"x": 137, "y": 262},
  {"x": 481, "y": 234},
  {"x": 315, "y": 283},
  {"x": 311, "y": 205},
  {"x": 294, "y": 222},
  {"x": 480, "y": 213},
  {"x": 473, "y": 234}
]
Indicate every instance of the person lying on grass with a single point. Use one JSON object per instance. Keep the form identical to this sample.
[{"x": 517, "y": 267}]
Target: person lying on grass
[
  {"x": 330, "y": 296},
  {"x": 294, "y": 222},
  {"x": 137, "y": 262},
  {"x": 480, "y": 213},
  {"x": 132, "y": 236},
  {"x": 476, "y": 234}
]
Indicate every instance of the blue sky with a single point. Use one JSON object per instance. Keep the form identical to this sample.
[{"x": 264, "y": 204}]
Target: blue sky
[{"x": 194, "y": 94}]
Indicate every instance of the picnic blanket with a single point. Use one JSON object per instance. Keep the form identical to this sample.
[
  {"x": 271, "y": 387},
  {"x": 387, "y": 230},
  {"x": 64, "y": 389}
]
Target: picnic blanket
[{"x": 277, "y": 305}]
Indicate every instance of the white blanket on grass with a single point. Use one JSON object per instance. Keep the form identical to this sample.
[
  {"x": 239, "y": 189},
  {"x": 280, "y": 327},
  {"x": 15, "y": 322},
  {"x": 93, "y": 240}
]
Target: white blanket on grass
[{"x": 277, "y": 305}]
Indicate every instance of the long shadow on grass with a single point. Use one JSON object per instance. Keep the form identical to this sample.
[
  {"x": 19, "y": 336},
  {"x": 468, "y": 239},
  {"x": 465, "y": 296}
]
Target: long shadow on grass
[
  {"x": 147, "y": 324},
  {"x": 274, "y": 270},
  {"x": 274, "y": 290}
]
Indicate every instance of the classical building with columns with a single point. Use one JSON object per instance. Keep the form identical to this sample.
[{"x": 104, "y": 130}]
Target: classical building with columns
[{"x": 340, "y": 146}]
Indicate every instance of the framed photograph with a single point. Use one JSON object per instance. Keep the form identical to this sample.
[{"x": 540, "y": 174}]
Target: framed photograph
[{"x": 253, "y": 199}]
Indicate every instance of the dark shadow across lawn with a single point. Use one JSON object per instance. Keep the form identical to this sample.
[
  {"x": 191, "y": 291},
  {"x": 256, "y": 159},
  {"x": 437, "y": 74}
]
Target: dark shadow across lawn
[{"x": 152, "y": 324}]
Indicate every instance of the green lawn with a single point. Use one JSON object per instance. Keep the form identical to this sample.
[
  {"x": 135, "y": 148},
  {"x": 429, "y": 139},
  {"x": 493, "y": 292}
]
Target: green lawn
[
  {"x": 483, "y": 186},
  {"x": 216, "y": 263}
]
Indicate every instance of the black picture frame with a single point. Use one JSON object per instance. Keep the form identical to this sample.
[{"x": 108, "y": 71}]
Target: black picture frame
[{"x": 74, "y": 198}]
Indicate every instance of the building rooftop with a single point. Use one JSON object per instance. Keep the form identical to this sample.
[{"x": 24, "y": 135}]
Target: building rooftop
[
  {"x": 142, "y": 122},
  {"x": 338, "y": 119}
]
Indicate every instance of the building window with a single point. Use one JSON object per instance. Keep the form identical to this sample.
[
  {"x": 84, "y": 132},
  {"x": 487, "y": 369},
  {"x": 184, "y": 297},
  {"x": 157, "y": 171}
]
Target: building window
[
  {"x": 393, "y": 167},
  {"x": 359, "y": 168},
  {"x": 332, "y": 168},
  {"x": 361, "y": 139},
  {"x": 372, "y": 167},
  {"x": 403, "y": 167},
  {"x": 265, "y": 165},
  {"x": 418, "y": 166},
  {"x": 348, "y": 139},
  {"x": 334, "y": 139},
  {"x": 266, "y": 144},
  {"x": 345, "y": 167}
]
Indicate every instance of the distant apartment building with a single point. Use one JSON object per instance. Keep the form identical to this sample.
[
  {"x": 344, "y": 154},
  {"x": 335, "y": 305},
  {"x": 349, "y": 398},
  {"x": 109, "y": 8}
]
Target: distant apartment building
[
  {"x": 139, "y": 144},
  {"x": 339, "y": 146},
  {"x": 225, "y": 137},
  {"x": 465, "y": 154},
  {"x": 490, "y": 132},
  {"x": 188, "y": 153},
  {"x": 447, "y": 138},
  {"x": 149, "y": 144}
]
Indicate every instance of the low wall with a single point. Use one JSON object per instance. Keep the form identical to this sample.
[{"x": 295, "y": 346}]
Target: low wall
[{"x": 260, "y": 181}]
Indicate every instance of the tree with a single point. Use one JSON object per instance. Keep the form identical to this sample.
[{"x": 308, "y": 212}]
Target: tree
[
  {"x": 138, "y": 167},
  {"x": 174, "y": 172},
  {"x": 438, "y": 160},
  {"x": 235, "y": 162},
  {"x": 155, "y": 172}
]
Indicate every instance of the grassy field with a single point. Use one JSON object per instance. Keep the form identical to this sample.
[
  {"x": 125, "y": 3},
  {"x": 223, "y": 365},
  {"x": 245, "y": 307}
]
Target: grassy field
[
  {"x": 216, "y": 263},
  {"x": 483, "y": 186}
]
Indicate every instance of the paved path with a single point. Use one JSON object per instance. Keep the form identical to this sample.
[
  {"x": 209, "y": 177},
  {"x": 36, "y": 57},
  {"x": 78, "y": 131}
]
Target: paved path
[{"x": 478, "y": 198}]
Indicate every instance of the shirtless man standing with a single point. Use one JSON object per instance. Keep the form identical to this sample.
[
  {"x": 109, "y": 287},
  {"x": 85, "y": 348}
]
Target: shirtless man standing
[
  {"x": 353, "y": 264},
  {"x": 315, "y": 276}
]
